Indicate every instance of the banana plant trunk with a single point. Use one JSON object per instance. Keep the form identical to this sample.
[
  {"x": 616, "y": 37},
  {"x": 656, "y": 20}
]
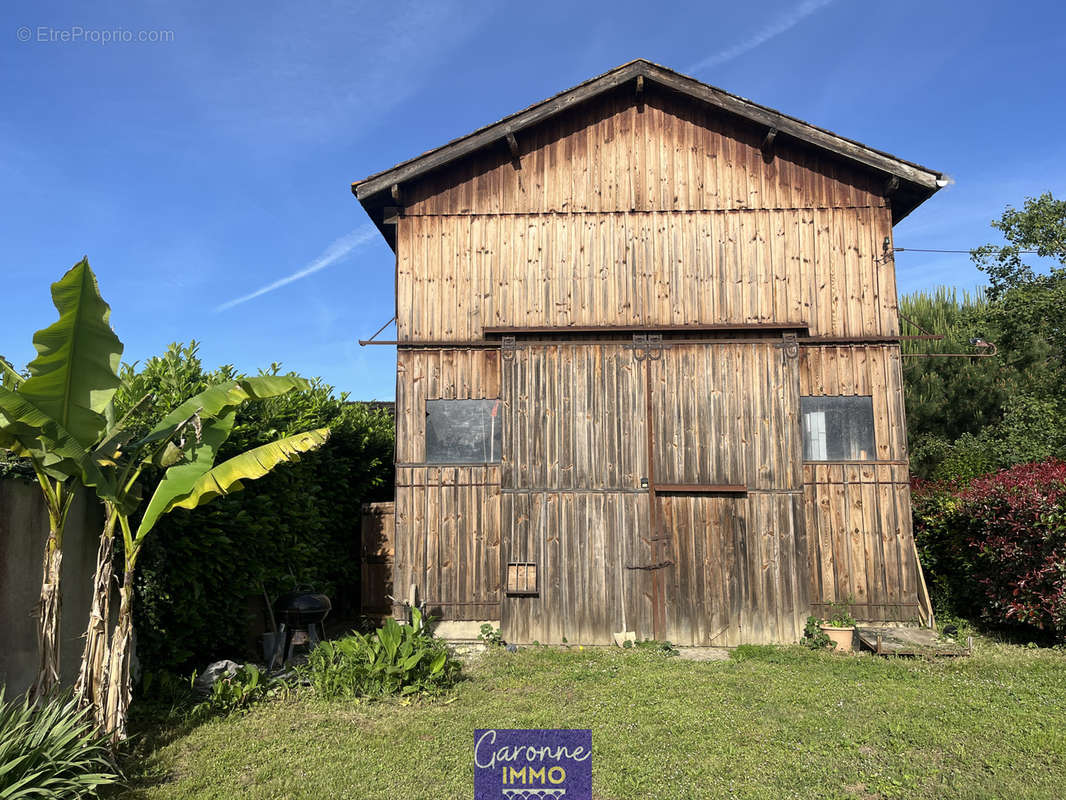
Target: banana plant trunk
[
  {"x": 91, "y": 685},
  {"x": 48, "y": 613},
  {"x": 119, "y": 689}
]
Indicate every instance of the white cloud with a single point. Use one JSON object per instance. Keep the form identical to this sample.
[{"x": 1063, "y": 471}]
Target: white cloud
[
  {"x": 790, "y": 20},
  {"x": 337, "y": 251}
]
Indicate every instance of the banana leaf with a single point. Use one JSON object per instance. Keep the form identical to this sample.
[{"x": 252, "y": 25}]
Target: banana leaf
[
  {"x": 197, "y": 458},
  {"x": 227, "y": 477},
  {"x": 9, "y": 376},
  {"x": 75, "y": 374},
  {"x": 28, "y": 431},
  {"x": 219, "y": 400}
]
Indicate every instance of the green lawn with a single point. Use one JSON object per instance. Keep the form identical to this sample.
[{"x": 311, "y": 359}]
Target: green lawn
[{"x": 771, "y": 722}]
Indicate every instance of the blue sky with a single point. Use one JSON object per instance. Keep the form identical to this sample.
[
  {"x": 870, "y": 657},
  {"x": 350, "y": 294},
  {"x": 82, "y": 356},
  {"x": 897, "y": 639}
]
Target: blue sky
[{"x": 199, "y": 170}]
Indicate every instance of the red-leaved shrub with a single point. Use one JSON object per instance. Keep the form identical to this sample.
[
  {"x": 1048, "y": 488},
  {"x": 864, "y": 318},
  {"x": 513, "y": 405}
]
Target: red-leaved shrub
[{"x": 998, "y": 545}]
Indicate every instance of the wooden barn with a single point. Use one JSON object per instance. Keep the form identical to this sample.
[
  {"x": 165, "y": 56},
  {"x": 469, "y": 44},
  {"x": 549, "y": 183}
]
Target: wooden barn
[{"x": 648, "y": 372}]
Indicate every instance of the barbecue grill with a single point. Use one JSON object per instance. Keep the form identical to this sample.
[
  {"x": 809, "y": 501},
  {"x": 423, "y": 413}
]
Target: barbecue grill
[{"x": 300, "y": 614}]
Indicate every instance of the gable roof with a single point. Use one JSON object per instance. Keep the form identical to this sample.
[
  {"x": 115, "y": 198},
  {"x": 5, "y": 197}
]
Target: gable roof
[{"x": 912, "y": 183}]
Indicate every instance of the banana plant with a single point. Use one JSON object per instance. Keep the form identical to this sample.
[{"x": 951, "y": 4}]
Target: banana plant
[
  {"x": 185, "y": 444},
  {"x": 54, "y": 418}
]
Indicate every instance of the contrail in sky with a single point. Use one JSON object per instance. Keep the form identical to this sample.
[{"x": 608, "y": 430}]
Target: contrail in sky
[
  {"x": 790, "y": 20},
  {"x": 332, "y": 254}
]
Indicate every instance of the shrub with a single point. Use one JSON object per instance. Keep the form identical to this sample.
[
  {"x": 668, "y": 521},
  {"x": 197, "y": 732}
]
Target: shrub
[
  {"x": 997, "y": 547},
  {"x": 50, "y": 749},
  {"x": 395, "y": 659}
]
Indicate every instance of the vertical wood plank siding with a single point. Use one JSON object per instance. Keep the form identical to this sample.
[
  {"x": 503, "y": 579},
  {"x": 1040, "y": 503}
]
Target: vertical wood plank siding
[
  {"x": 447, "y": 517},
  {"x": 377, "y": 536},
  {"x": 576, "y": 450},
  {"x": 576, "y": 453},
  {"x": 859, "y": 514},
  {"x": 667, "y": 216},
  {"x": 459, "y": 274},
  {"x": 675, "y": 155}
]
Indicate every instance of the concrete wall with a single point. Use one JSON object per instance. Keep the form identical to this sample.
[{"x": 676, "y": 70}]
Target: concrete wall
[{"x": 23, "y": 530}]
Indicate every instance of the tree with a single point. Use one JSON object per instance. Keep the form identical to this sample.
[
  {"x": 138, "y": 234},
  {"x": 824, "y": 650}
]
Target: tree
[
  {"x": 184, "y": 443},
  {"x": 970, "y": 416},
  {"x": 1027, "y": 303},
  {"x": 296, "y": 528},
  {"x": 52, "y": 418}
]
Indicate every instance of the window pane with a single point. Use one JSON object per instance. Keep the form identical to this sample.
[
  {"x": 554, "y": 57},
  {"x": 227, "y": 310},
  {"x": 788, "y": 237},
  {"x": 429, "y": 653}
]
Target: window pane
[
  {"x": 463, "y": 431},
  {"x": 838, "y": 428}
]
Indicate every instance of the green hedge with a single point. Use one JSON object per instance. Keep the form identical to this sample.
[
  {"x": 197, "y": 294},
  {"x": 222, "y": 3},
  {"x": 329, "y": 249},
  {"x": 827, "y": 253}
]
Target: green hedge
[
  {"x": 994, "y": 549},
  {"x": 202, "y": 572}
]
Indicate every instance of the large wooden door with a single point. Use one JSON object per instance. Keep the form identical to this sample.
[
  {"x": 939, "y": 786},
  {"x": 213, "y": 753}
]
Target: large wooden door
[
  {"x": 653, "y": 489},
  {"x": 729, "y": 477},
  {"x": 572, "y": 501}
]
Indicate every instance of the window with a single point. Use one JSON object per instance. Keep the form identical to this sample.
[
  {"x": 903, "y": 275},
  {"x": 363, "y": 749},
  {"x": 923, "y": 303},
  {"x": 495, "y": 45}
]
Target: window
[
  {"x": 521, "y": 578},
  {"x": 463, "y": 431},
  {"x": 838, "y": 428}
]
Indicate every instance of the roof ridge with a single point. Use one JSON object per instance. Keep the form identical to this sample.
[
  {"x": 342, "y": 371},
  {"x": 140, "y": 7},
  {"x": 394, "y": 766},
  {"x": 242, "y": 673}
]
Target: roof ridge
[{"x": 923, "y": 181}]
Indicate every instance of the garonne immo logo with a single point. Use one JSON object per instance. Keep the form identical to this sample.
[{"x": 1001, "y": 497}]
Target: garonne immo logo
[{"x": 518, "y": 764}]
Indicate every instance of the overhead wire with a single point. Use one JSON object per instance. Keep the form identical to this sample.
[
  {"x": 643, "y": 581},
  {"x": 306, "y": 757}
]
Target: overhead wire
[{"x": 967, "y": 252}]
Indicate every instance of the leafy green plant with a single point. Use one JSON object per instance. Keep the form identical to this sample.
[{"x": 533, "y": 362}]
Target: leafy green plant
[
  {"x": 238, "y": 692},
  {"x": 185, "y": 443},
  {"x": 813, "y": 635},
  {"x": 491, "y": 635},
  {"x": 296, "y": 528},
  {"x": 395, "y": 659},
  {"x": 840, "y": 615},
  {"x": 52, "y": 418},
  {"x": 997, "y": 546},
  {"x": 51, "y": 749}
]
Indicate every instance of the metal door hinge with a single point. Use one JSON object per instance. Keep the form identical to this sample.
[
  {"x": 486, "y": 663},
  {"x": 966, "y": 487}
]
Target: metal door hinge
[
  {"x": 790, "y": 344},
  {"x": 647, "y": 346},
  {"x": 508, "y": 346}
]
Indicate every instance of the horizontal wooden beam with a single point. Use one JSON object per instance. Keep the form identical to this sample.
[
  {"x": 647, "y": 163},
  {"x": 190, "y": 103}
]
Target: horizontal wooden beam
[
  {"x": 700, "y": 488},
  {"x": 724, "y": 327},
  {"x": 557, "y": 335}
]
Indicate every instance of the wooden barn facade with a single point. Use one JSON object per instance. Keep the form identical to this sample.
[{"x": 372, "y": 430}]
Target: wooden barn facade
[{"x": 648, "y": 370}]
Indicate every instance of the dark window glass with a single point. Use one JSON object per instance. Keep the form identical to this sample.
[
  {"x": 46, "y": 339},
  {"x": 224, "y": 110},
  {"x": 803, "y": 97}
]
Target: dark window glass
[
  {"x": 838, "y": 428},
  {"x": 463, "y": 431}
]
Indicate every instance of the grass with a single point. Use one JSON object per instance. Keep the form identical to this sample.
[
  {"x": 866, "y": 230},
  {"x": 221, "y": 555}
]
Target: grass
[{"x": 770, "y": 722}]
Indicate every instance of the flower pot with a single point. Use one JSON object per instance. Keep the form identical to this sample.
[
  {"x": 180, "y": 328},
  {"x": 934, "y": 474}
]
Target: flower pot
[{"x": 843, "y": 637}]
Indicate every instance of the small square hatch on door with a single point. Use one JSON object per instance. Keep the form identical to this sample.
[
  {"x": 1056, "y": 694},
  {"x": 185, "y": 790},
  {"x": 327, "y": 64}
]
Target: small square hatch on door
[{"x": 522, "y": 578}]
